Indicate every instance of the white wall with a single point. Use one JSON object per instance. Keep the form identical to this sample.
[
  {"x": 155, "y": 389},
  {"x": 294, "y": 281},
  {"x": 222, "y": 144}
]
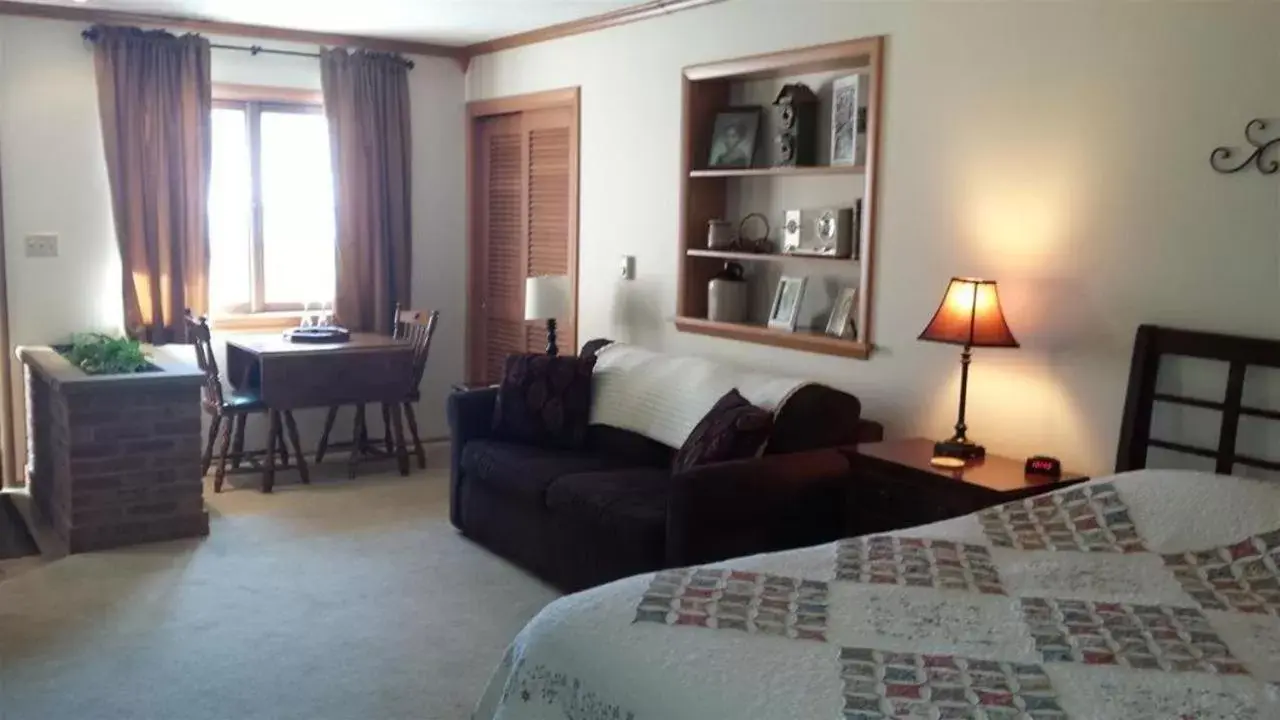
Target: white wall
[
  {"x": 1060, "y": 148},
  {"x": 55, "y": 180}
]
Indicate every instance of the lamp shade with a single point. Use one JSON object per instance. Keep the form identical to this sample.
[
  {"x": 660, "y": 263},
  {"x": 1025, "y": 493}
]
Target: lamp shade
[
  {"x": 970, "y": 314},
  {"x": 546, "y": 297}
]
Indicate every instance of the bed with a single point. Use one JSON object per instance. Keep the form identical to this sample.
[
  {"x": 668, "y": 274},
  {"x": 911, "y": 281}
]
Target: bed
[{"x": 1146, "y": 594}]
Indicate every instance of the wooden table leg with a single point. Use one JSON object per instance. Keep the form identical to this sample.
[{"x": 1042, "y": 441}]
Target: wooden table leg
[
  {"x": 324, "y": 436},
  {"x": 273, "y": 434},
  {"x": 292, "y": 427},
  {"x": 397, "y": 427},
  {"x": 237, "y": 442},
  {"x": 358, "y": 440}
]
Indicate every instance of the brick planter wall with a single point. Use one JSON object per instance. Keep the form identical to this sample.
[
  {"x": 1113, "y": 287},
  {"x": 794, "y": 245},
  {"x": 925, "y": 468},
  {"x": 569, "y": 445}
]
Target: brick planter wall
[{"x": 114, "y": 460}]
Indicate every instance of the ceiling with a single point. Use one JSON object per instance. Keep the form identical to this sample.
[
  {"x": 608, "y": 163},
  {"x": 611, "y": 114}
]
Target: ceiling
[{"x": 444, "y": 22}]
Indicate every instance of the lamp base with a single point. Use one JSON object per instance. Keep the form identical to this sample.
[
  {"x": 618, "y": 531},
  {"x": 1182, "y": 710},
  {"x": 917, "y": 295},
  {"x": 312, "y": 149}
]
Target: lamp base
[{"x": 959, "y": 448}]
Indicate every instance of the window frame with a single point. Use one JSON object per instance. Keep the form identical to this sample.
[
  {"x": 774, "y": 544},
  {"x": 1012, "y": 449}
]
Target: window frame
[{"x": 253, "y": 101}]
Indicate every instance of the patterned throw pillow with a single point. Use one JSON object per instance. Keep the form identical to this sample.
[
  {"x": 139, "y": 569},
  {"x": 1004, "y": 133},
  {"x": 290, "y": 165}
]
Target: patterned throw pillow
[
  {"x": 544, "y": 400},
  {"x": 733, "y": 429}
]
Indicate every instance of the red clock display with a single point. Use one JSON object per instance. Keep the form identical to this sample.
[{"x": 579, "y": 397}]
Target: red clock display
[{"x": 1044, "y": 466}]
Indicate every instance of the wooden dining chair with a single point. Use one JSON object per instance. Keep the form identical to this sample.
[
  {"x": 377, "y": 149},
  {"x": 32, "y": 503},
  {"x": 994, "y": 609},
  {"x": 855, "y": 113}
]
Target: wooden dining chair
[
  {"x": 420, "y": 335},
  {"x": 233, "y": 409},
  {"x": 405, "y": 325}
]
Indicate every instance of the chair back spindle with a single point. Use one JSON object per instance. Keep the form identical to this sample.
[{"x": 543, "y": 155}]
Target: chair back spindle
[
  {"x": 198, "y": 334},
  {"x": 403, "y": 321}
]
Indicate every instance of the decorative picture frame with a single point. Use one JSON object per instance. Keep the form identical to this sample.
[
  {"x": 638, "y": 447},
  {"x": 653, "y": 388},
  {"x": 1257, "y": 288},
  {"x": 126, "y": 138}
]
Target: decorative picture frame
[
  {"x": 784, "y": 312},
  {"x": 735, "y": 138},
  {"x": 848, "y": 120},
  {"x": 842, "y": 324}
]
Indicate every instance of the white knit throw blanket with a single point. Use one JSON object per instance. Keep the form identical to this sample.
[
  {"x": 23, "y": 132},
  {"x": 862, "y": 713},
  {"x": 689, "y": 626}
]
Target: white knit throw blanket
[{"x": 664, "y": 396}]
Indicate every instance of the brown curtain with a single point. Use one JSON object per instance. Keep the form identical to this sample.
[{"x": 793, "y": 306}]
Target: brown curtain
[
  {"x": 155, "y": 99},
  {"x": 366, "y": 99}
]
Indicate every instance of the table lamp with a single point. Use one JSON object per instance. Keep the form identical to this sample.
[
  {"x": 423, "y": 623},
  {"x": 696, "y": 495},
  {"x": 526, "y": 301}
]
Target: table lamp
[
  {"x": 969, "y": 315},
  {"x": 546, "y": 297}
]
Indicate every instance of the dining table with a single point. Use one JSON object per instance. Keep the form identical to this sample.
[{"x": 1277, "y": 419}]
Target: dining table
[{"x": 288, "y": 375}]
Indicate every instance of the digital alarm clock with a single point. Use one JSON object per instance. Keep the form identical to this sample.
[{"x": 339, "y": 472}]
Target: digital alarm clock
[{"x": 1044, "y": 466}]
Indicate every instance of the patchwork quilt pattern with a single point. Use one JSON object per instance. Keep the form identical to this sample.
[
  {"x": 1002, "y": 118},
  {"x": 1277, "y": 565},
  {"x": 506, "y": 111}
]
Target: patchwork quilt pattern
[
  {"x": 918, "y": 562},
  {"x": 1147, "y": 637},
  {"x": 1091, "y": 518},
  {"x": 880, "y": 684},
  {"x": 1105, "y": 600},
  {"x": 733, "y": 600},
  {"x": 1244, "y": 577}
]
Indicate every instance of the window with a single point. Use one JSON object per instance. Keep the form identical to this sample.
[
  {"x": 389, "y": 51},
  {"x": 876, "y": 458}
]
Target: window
[{"x": 271, "y": 208}]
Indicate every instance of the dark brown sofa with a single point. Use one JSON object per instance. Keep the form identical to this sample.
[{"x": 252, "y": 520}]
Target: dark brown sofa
[{"x": 614, "y": 509}]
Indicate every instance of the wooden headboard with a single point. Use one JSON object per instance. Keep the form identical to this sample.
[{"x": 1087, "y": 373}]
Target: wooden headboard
[{"x": 1152, "y": 344}]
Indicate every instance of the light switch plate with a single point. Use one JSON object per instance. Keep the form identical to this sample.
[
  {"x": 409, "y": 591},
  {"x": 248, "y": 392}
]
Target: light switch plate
[
  {"x": 627, "y": 267},
  {"x": 42, "y": 245}
]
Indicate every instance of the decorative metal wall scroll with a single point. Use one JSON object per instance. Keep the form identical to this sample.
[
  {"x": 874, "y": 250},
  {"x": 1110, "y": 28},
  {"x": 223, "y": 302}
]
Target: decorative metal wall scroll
[{"x": 1222, "y": 157}]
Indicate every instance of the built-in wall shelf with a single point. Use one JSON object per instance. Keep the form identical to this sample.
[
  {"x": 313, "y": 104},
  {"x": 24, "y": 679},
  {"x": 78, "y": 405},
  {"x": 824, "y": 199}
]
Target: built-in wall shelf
[
  {"x": 731, "y": 194},
  {"x": 784, "y": 171},
  {"x": 807, "y": 340},
  {"x": 764, "y": 257}
]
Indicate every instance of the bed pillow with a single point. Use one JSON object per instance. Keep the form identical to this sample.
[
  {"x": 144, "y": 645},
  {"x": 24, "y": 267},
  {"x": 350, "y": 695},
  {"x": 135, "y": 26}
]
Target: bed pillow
[
  {"x": 544, "y": 400},
  {"x": 733, "y": 429}
]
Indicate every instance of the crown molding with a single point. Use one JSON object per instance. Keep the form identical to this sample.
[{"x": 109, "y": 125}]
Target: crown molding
[
  {"x": 621, "y": 16},
  {"x": 118, "y": 17}
]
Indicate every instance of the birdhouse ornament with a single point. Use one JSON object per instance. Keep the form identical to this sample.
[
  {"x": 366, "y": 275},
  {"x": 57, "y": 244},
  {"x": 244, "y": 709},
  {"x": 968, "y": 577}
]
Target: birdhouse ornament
[{"x": 797, "y": 111}]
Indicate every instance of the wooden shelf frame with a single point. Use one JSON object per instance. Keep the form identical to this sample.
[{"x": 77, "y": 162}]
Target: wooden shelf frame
[
  {"x": 781, "y": 171},
  {"x": 704, "y": 193},
  {"x": 807, "y": 340},
  {"x": 733, "y": 255}
]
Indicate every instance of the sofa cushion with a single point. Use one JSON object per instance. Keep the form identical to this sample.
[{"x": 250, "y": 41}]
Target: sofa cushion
[
  {"x": 635, "y": 496},
  {"x": 524, "y": 471},
  {"x": 816, "y": 416},
  {"x": 631, "y": 449},
  {"x": 733, "y": 429},
  {"x": 544, "y": 400}
]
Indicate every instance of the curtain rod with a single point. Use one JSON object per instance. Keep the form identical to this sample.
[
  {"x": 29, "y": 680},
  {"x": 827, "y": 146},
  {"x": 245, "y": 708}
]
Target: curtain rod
[{"x": 89, "y": 34}]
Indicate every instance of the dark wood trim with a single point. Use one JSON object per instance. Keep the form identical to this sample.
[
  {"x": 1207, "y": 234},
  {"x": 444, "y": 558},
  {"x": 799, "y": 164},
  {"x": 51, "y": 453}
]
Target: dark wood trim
[
  {"x": 562, "y": 97},
  {"x": 569, "y": 98},
  {"x": 117, "y": 17},
  {"x": 621, "y": 16}
]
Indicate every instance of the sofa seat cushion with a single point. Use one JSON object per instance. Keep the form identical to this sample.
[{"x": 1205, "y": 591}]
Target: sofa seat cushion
[
  {"x": 636, "y": 497},
  {"x": 524, "y": 471}
]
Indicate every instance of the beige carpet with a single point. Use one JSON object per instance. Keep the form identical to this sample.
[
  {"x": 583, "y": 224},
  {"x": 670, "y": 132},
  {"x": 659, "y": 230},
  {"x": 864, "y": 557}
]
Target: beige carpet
[{"x": 345, "y": 600}]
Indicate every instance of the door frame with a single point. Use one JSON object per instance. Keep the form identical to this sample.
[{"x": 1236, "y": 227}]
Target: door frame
[{"x": 477, "y": 110}]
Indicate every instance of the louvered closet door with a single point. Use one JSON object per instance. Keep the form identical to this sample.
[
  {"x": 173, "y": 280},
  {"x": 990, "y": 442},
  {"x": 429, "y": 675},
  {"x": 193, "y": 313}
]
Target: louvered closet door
[
  {"x": 547, "y": 232},
  {"x": 525, "y": 230}
]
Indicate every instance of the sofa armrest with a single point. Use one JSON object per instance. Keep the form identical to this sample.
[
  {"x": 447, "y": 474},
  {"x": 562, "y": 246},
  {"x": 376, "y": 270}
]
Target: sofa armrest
[
  {"x": 470, "y": 416},
  {"x": 776, "y": 502}
]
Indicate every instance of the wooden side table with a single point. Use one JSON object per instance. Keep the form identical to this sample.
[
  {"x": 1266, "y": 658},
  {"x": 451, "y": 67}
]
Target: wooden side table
[{"x": 895, "y": 487}]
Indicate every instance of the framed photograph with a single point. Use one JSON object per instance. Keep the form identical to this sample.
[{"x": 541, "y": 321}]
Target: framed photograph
[
  {"x": 848, "y": 120},
  {"x": 785, "y": 310},
  {"x": 842, "y": 323},
  {"x": 734, "y": 138}
]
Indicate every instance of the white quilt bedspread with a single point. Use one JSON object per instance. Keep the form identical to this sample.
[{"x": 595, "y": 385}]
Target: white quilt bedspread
[{"x": 1149, "y": 595}]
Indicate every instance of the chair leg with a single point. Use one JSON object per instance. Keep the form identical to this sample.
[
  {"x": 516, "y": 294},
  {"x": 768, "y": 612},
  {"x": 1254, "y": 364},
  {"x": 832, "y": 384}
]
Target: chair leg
[
  {"x": 222, "y": 458},
  {"x": 292, "y": 428},
  {"x": 237, "y": 442},
  {"x": 417, "y": 441},
  {"x": 207, "y": 459},
  {"x": 386, "y": 428},
  {"x": 357, "y": 444},
  {"x": 397, "y": 427},
  {"x": 324, "y": 436},
  {"x": 273, "y": 436},
  {"x": 281, "y": 445}
]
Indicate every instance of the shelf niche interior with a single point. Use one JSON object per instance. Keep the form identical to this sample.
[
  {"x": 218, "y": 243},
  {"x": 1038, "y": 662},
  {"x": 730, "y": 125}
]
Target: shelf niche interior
[{"x": 732, "y": 194}]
